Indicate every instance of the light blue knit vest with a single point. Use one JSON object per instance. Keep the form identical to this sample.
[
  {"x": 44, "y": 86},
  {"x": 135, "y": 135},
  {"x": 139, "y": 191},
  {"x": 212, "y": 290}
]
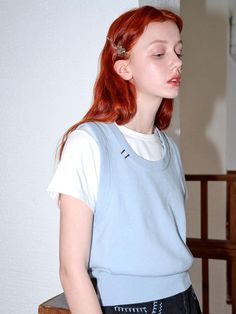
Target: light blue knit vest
[{"x": 138, "y": 250}]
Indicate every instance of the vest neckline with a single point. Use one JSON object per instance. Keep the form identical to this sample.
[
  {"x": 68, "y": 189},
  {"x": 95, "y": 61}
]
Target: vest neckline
[{"x": 161, "y": 163}]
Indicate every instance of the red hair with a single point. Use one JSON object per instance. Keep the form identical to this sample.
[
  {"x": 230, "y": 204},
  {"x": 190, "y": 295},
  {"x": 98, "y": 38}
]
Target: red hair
[{"x": 114, "y": 98}]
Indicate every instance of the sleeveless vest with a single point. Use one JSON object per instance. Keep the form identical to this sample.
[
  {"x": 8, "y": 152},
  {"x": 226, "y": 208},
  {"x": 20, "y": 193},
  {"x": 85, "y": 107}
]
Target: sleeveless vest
[{"x": 138, "y": 249}]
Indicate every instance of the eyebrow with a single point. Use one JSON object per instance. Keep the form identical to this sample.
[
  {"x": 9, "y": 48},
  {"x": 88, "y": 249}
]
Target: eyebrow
[{"x": 164, "y": 42}]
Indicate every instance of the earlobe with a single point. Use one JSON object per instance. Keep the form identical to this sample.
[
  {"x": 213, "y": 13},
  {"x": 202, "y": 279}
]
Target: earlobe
[{"x": 122, "y": 69}]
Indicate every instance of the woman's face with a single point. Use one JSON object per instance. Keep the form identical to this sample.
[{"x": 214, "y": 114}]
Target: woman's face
[{"x": 155, "y": 62}]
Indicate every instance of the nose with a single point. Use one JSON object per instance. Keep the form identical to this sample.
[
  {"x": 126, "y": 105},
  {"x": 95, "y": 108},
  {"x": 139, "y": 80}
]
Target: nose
[{"x": 176, "y": 62}]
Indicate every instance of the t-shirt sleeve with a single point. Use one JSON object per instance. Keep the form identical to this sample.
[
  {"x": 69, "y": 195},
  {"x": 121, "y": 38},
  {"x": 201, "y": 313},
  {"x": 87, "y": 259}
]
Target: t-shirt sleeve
[{"x": 77, "y": 173}]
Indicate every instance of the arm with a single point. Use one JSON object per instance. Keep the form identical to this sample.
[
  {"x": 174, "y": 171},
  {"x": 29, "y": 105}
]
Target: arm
[{"x": 75, "y": 239}]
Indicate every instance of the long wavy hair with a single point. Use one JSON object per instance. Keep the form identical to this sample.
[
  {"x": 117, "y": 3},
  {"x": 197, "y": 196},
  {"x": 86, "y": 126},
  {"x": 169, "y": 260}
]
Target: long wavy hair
[{"x": 114, "y": 99}]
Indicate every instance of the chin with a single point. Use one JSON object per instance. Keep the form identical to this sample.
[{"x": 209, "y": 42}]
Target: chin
[{"x": 171, "y": 95}]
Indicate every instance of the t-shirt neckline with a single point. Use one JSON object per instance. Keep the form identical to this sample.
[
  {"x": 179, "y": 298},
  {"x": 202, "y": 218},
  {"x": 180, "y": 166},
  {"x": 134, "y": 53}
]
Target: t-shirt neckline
[{"x": 152, "y": 164}]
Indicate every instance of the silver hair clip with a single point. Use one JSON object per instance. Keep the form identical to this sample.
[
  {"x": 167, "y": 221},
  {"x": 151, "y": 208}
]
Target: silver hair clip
[{"x": 121, "y": 51}]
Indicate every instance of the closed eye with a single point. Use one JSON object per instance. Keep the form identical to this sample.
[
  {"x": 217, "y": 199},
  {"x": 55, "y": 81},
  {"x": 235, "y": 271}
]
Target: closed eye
[{"x": 159, "y": 55}]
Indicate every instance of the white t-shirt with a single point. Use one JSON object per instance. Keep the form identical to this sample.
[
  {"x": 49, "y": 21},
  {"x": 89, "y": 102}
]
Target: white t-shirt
[{"x": 78, "y": 171}]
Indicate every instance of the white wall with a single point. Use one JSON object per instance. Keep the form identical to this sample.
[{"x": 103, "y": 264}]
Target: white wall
[{"x": 49, "y": 52}]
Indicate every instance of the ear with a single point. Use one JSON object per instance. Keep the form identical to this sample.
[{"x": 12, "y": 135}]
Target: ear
[{"x": 122, "y": 69}]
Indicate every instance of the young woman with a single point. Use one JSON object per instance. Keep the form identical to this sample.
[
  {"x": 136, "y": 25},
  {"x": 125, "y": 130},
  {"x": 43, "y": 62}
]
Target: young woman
[{"x": 120, "y": 183}]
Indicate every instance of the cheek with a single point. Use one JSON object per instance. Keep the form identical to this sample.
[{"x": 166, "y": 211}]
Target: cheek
[
  {"x": 137, "y": 66},
  {"x": 144, "y": 70},
  {"x": 154, "y": 70}
]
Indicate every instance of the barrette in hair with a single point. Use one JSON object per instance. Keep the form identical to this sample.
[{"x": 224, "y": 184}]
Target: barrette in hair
[{"x": 120, "y": 49}]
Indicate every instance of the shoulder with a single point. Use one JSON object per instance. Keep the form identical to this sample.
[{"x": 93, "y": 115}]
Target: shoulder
[
  {"x": 89, "y": 138},
  {"x": 80, "y": 142},
  {"x": 94, "y": 127},
  {"x": 99, "y": 131}
]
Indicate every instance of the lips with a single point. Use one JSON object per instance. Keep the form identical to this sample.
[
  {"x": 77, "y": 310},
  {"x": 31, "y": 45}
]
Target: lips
[{"x": 175, "y": 80}]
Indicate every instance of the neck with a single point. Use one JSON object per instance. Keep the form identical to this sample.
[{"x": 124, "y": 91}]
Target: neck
[{"x": 144, "y": 119}]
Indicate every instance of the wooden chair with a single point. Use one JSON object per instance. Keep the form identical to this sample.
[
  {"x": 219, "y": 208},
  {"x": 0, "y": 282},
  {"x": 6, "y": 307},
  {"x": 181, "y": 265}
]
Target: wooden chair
[
  {"x": 56, "y": 305},
  {"x": 206, "y": 248}
]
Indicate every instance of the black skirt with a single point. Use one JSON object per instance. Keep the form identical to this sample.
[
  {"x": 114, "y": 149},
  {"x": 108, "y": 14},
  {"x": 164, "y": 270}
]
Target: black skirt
[{"x": 182, "y": 303}]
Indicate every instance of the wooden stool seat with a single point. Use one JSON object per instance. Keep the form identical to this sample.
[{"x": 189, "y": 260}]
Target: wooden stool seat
[{"x": 56, "y": 305}]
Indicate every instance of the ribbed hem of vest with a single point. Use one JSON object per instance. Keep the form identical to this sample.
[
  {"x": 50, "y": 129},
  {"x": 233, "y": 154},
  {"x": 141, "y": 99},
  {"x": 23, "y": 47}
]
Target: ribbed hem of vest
[{"x": 117, "y": 290}]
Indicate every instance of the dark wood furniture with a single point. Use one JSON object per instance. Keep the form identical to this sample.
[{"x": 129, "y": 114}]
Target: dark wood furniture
[
  {"x": 56, "y": 305},
  {"x": 206, "y": 248}
]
